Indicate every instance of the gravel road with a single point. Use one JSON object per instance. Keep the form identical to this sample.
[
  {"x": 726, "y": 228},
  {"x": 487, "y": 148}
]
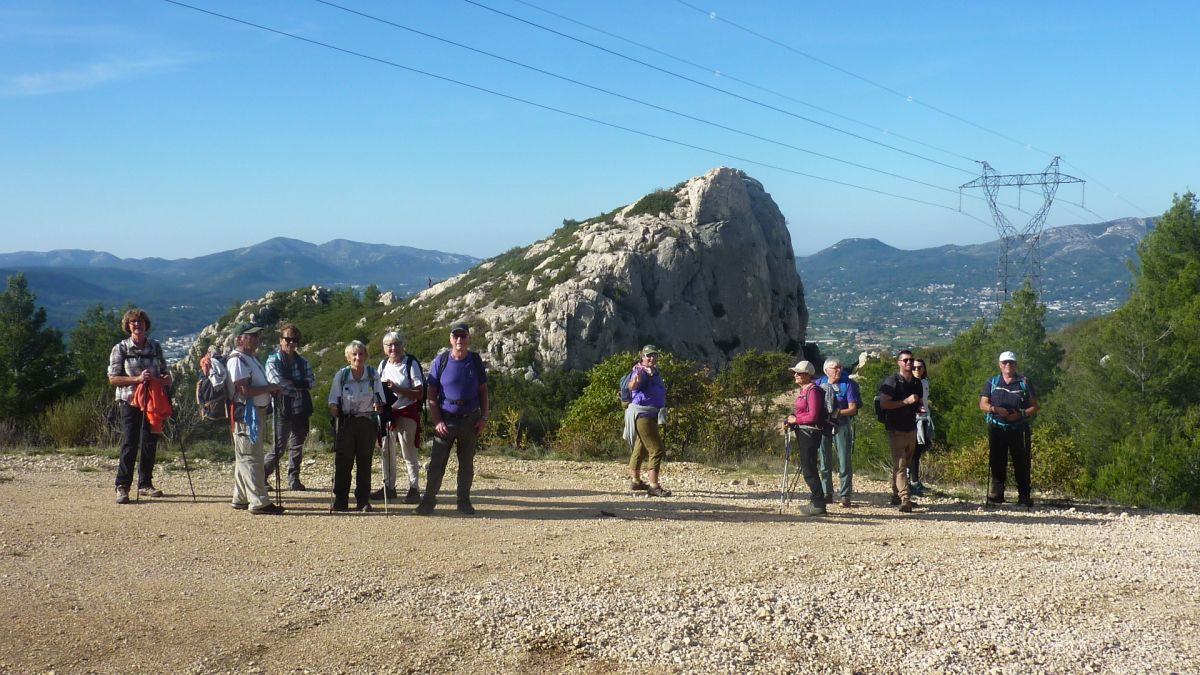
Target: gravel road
[{"x": 563, "y": 570}]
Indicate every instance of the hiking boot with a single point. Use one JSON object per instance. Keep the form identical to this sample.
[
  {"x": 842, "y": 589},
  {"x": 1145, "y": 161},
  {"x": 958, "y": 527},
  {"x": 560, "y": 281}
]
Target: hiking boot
[
  {"x": 122, "y": 495},
  {"x": 828, "y": 497},
  {"x": 340, "y": 507},
  {"x": 917, "y": 489},
  {"x": 240, "y": 507},
  {"x": 992, "y": 499},
  {"x": 812, "y": 510},
  {"x": 1025, "y": 501},
  {"x": 657, "y": 491},
  {"x": 268, "y": 510},
  {"x": 378, "y": 494},
  {"x": 465, "y": 508},
  {"x": 846, "y": 502},
  {"x": 150, "y": 491},
  {"x": 895, "y": 500},
  {"x": 413, "y": 496},
  {"x": 638, "y": 486},
  {"x": 425, "y": 508},
  {"x": 297, "y": 486},
  {"x": 906, "y": 507},
  {"x": 365, "y": 508}
]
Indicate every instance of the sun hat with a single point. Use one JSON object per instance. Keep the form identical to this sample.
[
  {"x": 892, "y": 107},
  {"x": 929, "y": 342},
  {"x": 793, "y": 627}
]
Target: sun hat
[{"x": 804, "y": 367}]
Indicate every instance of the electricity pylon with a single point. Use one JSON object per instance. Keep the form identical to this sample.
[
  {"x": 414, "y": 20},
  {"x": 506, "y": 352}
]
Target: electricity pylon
[{"x": 1027, "y": 238}]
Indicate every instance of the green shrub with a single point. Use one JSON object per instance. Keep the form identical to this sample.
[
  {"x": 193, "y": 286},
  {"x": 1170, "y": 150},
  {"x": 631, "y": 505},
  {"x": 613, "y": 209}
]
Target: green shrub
[
  {"x": 73, "y": 422},
  {"x": 659, "y": 201}
]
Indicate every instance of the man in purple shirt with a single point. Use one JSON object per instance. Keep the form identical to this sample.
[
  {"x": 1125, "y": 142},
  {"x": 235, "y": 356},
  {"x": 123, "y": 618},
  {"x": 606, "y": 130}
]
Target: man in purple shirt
[{"x": 458, "y": 408}]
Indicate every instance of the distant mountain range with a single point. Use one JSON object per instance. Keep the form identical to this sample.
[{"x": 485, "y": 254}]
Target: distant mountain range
[
  {"x": 183, "y": 295},
  {"x": 1078, "y": 262},
  {"x": 863, "y": 294}
]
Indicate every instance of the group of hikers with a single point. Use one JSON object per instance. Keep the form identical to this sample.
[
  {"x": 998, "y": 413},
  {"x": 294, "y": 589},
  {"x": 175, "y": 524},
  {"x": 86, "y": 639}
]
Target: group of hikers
[{"x": 380, "y": 407}]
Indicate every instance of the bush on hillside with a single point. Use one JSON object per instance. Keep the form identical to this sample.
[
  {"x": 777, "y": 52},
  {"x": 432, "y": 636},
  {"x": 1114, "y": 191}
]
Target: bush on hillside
[
  {"x": 74, "y": 422},
  {"x": 712, "y": 417}
]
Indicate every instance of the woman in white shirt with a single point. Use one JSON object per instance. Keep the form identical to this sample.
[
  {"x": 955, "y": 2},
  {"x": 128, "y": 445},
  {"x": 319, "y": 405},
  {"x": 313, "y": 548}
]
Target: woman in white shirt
[{"x": 404, "y": 385}]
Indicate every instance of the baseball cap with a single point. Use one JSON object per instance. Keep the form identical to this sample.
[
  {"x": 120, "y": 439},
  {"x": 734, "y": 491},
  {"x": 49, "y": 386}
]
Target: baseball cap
[
  {"x": 246, "y": 328},
  {"x": 1008, "y": 356},
  {"x": 804, "y": 367},
  {"x": 649, "y": 349},
  {"x": 460, "y": 327}
]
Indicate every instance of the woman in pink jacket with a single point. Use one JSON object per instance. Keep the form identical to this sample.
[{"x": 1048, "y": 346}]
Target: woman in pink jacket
[{"x": 805, "y": 422}]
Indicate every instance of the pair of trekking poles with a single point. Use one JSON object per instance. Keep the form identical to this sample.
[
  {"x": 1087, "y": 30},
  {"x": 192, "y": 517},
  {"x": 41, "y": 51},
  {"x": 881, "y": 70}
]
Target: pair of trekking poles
[
  {"x": 138, "y": 451},
  {"x": 791, "y": 481}
]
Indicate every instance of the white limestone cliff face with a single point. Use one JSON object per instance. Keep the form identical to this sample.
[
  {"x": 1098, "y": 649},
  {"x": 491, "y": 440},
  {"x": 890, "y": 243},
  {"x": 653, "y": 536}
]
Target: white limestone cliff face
[{"x": 707, "y": 280}]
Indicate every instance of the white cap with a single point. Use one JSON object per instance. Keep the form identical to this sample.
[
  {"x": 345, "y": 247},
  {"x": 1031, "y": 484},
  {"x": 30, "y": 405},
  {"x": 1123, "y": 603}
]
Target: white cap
[
  {"x": 804, "y": 367},
  {"x": 1008, "y": 356}
]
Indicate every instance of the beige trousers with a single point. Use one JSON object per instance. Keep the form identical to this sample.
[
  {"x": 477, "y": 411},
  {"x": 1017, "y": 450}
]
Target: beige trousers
[
  {"x": 249, "y": 484},
  {"x": 404, "y": 435},
  {"x": 903, "y": 444}
]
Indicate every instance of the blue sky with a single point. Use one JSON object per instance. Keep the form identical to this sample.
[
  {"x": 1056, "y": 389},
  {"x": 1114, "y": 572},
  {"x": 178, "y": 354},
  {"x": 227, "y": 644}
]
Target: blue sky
[{"x": 146, "y": 129}]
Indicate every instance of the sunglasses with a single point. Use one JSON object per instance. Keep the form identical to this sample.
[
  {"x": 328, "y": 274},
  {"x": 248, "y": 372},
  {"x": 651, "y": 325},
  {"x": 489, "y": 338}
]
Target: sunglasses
[
  {"x": 905, "y": 360},
  {"x": 290, "y": 340}
]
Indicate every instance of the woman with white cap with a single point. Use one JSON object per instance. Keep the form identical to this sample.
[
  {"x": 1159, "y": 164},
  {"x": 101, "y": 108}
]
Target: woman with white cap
[
  {"x": 805, "y": 422},
  {"x": 1010, "y": 402}
]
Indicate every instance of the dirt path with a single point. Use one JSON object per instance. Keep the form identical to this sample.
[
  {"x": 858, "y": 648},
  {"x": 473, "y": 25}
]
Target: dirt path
[{"x": 563, "y": 570}]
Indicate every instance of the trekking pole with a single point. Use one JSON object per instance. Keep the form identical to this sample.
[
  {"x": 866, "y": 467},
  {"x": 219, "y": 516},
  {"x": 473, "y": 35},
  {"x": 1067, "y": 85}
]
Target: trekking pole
[
  {"x": 188, "y": 471},
  {"x": 137, "y": 451},
  {"x": 787, "y": 455},
  {"x": 383, "y": 471},
  {"x": 337, "y": 432}
]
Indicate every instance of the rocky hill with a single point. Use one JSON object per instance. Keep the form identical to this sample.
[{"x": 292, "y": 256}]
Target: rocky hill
[{"x": 704, "y": 269}]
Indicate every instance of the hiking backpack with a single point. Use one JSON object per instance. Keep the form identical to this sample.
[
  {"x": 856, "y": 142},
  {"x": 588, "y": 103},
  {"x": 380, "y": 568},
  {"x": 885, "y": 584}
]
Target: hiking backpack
[
  {"x": 624, "y": 394},
  {"x": 212, "y": 395},
  {"x": 880, "y": 413},
  {"x": 829, "y": 425}
]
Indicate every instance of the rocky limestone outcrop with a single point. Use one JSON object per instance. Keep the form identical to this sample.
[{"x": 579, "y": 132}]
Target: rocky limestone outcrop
[
  {"x": 704, "y": 270},
  {"x": 261, "y": 311}
]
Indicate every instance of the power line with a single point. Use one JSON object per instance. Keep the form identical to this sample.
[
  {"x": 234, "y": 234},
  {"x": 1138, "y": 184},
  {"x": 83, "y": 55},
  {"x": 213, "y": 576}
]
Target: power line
[
  {"x": 542, "y": 106},
  {"x": 907, "y": 97},
  {"x": 727, "y": 92},
  {"x": 750, "y": 84},
  {"x": 638, "y": 101},
  {"x": 726, "y": 75}
]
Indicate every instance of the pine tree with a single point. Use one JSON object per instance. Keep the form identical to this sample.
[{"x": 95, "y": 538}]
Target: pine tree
[
  {"x": 91, "y": 343},
  {"x": 34, "y": 363}
]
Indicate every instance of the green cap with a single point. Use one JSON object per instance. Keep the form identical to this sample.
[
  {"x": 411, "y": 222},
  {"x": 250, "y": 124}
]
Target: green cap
[
  {"x": 649, "y": 349},
  {"x": 246, "y": 328}
]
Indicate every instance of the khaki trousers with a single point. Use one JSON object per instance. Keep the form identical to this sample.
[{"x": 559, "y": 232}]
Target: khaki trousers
[
  {"x": 903, "y": 444},
  {"x": 404, "y": 435},
  {"x": 647, "y": 446},
  {"x": 249, "y": 478}
]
